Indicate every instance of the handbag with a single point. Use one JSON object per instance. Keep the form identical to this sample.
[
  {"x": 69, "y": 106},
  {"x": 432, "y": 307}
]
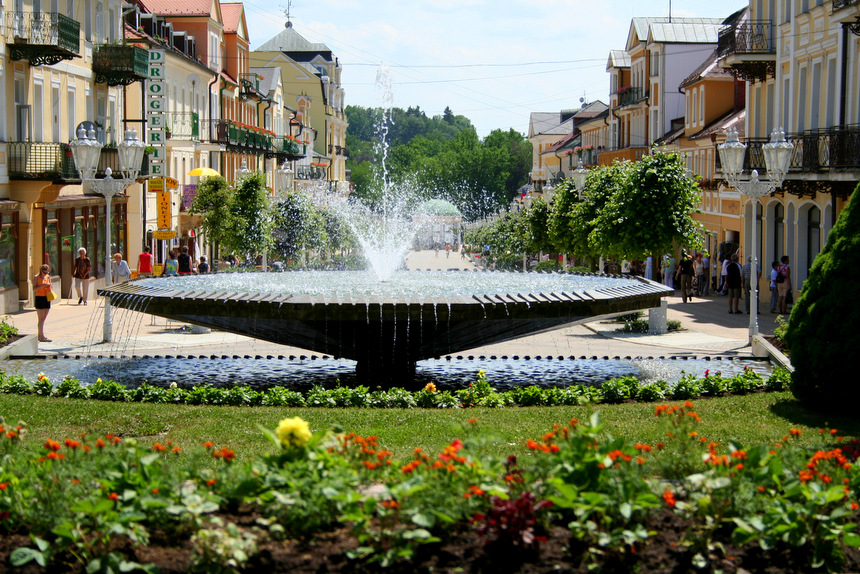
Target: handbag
[{"x": 51, "y": 296}]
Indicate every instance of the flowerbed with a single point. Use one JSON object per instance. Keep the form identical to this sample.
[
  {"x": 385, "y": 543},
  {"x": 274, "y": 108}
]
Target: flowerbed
[
  {"x": 335, "y": 501},
  {"x": 477, "y": 394}
]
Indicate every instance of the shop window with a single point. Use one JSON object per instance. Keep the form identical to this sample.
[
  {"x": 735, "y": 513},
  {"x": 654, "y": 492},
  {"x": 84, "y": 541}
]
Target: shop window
[
  {"x": 52, "y": 243},
  {"x": 8, "y": 232}
]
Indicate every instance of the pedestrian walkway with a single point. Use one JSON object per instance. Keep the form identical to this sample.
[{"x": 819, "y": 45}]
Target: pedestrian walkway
[{"x": 708, "y": 329}]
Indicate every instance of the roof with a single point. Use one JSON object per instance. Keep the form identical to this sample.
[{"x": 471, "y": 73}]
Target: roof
[
  {"x": 231, "y": 14},
  {"x": 174, "y": 8},
  {"x": 269, "y": 78},
  {"x": 733, "y": 119},
  {"x": 591, "y": 110},
  {"x": 670, "y": 137},
  {"x": 677, "y": 30},
  {"x": 549, "y": 123},
  {"x": 439, "y": 207},
  {"x": 291, "y": 41},
  {"x": 618, "y": 59},
  {"x": 569, "y": 141},
  {"x": 707, "y": 69}
]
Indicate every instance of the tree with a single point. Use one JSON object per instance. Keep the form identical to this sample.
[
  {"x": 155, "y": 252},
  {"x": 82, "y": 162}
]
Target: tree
[
  {"x": 251, "y": 223},
  {"x": 822, "y": 325},
  {"x": 213, "y": 202},
  {"x": 296, "y": 226},
  {"x": 650, "y": 209}
]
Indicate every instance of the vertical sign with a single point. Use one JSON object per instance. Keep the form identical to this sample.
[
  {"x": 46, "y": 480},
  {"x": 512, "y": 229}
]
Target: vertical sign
[
  {"x": 156, "y": 103},
  {"x": 165, "y": 213}
]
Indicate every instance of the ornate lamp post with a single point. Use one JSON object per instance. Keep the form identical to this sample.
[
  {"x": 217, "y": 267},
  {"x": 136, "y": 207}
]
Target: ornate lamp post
[
  {"x": 86, "y": 151},
  {"x": 285, "y": 178},
  {"x": 777, "y": 158},
  {"x": 579, "y": 176}
]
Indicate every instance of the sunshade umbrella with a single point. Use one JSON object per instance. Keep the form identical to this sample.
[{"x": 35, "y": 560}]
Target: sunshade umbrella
[{"x": 203, "y": 172}]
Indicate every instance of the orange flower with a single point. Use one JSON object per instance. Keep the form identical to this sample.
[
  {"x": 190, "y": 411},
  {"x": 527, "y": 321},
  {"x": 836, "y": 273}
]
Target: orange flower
[
  {"x": 159, "y": 447},
  {"x": 208, "y": 444},
  {"x": 113, "y": 496},
  {"x": 669, "y": 498},
  {"x": 210, "y": 482},
  {"x": 52, "y": 445},
  {"x": 795, "y": 432},
  {"x": 100, "y": 443}
]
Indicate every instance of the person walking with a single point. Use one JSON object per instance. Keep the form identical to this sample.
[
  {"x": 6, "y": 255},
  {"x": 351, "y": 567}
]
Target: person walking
[
  {"x": 183, "y": 266},
  {"x": 203, "y": 267},
  {"x": 774, "y": 291},
  {"x": 41, "y": 288},
  {"x": 119, "y": 269},
  {"x": 685, "y": 274},
  {"x": 81, "y": 274},
  {"x": 668, "y": 266},
  {"x": 723, "y": 289},
  {"x": 699, "y": 267},
  {"x": 706, "y": 265},
  {"x": 171, "y": 265},
  {"x": 734, "y": 283},
  {"x": 144, "y": 263},
  {"x": 783, "y": 284},
  {"x": 751, "y": 285}
]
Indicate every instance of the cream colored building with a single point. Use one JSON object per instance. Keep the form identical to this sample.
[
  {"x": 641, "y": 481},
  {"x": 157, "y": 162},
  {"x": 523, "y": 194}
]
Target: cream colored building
[
  {"x": 801, "y": 64},
  {"x": 59, "y": 67}
]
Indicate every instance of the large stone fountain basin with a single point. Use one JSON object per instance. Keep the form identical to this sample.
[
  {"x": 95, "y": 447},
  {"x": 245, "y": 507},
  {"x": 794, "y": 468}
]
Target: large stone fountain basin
[{"x": 386, "y": 333}]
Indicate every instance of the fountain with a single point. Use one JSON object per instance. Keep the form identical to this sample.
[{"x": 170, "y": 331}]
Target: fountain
[
  {"x": 386, "y": 326},
  {"x": 389, "y": 320}
]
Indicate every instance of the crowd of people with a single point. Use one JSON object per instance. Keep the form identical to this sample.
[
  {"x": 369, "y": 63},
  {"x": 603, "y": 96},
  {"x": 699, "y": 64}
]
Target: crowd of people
[{"x": 698, "y": 275}]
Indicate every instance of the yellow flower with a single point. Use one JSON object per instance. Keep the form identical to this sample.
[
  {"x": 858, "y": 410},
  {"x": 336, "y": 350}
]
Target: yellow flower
[
  {"x": 293, "y": 432},
  {"x": 430, "y": 387}
]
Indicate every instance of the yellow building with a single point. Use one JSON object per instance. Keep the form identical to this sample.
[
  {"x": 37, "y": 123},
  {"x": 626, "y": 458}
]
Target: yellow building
[
  {"x": 801, "y": 64},
  {"x": 59, "y": 68},
  {"x": 312, "y": 85}
]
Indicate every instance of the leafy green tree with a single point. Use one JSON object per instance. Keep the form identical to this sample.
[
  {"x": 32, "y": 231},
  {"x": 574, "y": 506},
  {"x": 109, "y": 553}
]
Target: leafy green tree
[
  {"x": 537, "y": 227},
  {"x": 297, "y": 226},
  {"x": 251, "y": 223},
  {"x": 213, "y": 201},
  {"x": 822, "y": 325},
  {"x": 650, "y": 209}
]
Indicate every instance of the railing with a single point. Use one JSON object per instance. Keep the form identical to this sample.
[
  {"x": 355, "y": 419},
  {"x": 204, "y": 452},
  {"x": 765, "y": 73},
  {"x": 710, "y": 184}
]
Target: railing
[
  {"x": 250, "y": 85},
  {"x": 840, "y": 4},
  {"x": 118, "y": 64},
  {"x": 608, "y": 157},
  {"x": 753, "y": 37},
  {"x": 287, "y": 147},
  {"x": 218, "y": 131},
  {"x": 310, "y": 172},
  {"x": 46, "y": 29},
  {"x": 630, "y": 96},
  {"x": 40, "y": 160},
  {"x": 183, "y": 125},
  {"x": 815, "y": 151},
  {"x": 109, "y": 158}
]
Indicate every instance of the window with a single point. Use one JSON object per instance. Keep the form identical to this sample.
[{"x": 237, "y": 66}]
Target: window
[
  {"x": 815, "y": 104},
  {"x": 778, "y": 231},
  {"x": 702, "y": 105},
  {"x": 655, "y": 63},
  {"x": 52, "y": 242},
  {"x": 801, "y": 100},
  {"x": 70, "y": 113},
  {"x": 813, "y": 236},
  {"x": 8, "y": 248}
]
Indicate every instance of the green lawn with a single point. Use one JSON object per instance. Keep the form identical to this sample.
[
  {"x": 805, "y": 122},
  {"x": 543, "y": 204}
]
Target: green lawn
[{"x": 756, "y": 418}]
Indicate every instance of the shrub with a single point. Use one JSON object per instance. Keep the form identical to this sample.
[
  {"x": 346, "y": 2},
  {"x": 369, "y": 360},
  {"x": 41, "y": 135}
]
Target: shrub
[{"x": 823, "y": 321}]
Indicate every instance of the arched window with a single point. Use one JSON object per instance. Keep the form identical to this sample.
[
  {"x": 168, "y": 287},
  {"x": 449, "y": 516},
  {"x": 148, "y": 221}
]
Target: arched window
[
  {"x": 778, "y": 231},
  {"x": 813, "y": 236}
]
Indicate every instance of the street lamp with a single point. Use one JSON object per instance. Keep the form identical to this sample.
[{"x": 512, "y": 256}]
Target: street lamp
[
  {"x": 285, "y": 178},
  {"x": 243, "y": 170},
  {"x": 579, "y": 176},
  {"x": 777, "y": 158},
  {"x": 86, "y": 151}
]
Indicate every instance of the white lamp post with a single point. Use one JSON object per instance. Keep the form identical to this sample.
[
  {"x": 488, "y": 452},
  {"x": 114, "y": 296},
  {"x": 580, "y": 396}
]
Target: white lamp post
[
  {"x": 86, "y": 151},
  {"x": 285, "y": 178},
  {"x": 579, "y": 176},
  {"x": 777, "y": 158}
]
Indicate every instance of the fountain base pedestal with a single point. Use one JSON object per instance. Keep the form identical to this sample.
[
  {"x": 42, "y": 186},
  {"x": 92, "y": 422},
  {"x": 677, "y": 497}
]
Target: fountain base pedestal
[{"x": 386, "y": 374}]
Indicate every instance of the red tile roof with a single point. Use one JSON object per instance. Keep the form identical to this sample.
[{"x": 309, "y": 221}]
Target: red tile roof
[
  {"x": 231, "y": 14},
  {"x": 182, "y": 8}
]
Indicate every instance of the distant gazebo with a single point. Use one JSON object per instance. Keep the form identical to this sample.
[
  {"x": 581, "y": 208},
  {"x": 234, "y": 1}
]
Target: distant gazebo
[{"x": 438, "y": 222}]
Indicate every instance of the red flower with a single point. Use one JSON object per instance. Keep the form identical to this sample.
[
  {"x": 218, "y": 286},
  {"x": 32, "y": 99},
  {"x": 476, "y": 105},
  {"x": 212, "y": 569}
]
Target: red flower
[
  {"x": 113, "y": 496},
  {"x": 669, "y": 498}
]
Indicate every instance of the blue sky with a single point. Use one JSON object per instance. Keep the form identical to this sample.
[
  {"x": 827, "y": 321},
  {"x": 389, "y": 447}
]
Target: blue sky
[{"x": 494, "y": 61}]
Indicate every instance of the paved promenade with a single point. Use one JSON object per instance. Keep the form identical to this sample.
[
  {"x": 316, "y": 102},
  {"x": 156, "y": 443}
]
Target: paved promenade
[{"x": 708, "y": 330}]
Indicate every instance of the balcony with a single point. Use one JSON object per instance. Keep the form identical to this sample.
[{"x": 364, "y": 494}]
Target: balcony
[
  {"x": 630, "y": 96},
  {"x": 310, "y": 172},
  {"x": 822, "y": 157},
  {"x": 218, "y": 131},
  {"x": 43, "y": 38},
  {"x": 109, "y": 158},
  {"x": 249, "y": 86},
  {"x": 609, "y": 157},
  {"x": 843, "y": 13},
  {"x": 747, "y": 50},
  {"x": 285, "y": 149},
  {"x": 119, "y": 64},
  {"x": 41, "y": 161},
  {"x": 183, "y": 126}
]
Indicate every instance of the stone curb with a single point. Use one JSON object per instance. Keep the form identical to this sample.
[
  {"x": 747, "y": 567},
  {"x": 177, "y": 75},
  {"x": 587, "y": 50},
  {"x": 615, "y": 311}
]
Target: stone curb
[{"x": 762, "y": 348}]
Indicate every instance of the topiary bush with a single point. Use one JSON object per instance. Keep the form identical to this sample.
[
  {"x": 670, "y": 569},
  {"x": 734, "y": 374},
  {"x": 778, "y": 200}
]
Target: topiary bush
[{"x": 823, "y": 326}]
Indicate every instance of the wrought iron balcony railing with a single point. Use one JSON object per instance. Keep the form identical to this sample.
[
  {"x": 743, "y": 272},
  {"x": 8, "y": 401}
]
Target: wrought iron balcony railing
[
  {"x": 109, "y": 158},
  {"x": 835, "y": 149},
  {"x": 119, "y": 64},
  {"x": 249, "y": 86},
  {"x": 310, "y": 172},
  {"x": 752, "y": 37},
  {"x": 41, "y": 161},
  {"x": 183, "y": 125},
  {"x": 630, "y": 96},
  {"x": 840, "y": 4},
  {"x": 285, "y": 148},
  {"x": 43, "y": 38}
]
